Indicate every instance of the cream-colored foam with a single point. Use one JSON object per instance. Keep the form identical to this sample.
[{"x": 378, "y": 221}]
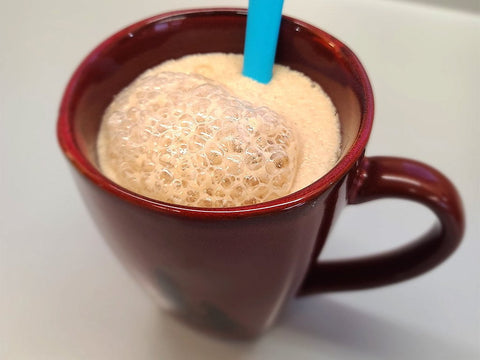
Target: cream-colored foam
[
  {"x": 184, "y": 139},
  {"x": 211, "y": 138}
]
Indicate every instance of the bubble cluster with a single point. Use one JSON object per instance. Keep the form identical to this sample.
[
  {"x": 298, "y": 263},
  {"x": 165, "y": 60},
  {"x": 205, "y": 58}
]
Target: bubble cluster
[{"x": 184, "y": 139}]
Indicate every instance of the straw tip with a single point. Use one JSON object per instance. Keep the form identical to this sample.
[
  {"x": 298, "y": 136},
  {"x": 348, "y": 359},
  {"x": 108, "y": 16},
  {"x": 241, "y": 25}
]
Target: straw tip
[
  {"x": 263, "y": 23},
  {"x": 259, "y": 75}
]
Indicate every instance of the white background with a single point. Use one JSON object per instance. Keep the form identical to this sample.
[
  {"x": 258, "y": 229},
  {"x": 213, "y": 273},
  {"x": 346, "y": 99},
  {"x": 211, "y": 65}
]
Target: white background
[{"x": 64, "y": 296}]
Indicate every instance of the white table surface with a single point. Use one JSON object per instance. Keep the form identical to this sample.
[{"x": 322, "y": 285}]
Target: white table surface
[{"x": 63, "y": 295}]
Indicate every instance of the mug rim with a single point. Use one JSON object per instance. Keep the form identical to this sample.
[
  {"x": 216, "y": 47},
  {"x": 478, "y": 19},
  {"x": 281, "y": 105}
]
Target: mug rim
[{"x": 69, "y": 146}]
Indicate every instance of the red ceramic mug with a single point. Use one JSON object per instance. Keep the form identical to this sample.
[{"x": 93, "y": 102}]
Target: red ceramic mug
[{"x": 233, "y": 269}]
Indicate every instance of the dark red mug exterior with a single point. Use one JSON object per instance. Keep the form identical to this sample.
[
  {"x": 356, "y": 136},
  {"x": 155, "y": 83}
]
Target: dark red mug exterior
[{"x": 232, "y": 270}]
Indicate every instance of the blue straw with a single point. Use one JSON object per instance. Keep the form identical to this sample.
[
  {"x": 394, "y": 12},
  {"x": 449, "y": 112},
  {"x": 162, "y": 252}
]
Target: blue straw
[{"x": 263, "y": 24}]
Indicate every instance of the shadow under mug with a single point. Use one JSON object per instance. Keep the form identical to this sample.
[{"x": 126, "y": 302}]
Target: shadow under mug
[{"x": 232, "y": 270}]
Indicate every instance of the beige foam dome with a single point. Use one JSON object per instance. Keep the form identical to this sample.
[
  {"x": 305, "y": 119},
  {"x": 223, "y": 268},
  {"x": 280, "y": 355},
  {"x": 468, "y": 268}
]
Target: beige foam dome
[{"x": 185, "y": 139}]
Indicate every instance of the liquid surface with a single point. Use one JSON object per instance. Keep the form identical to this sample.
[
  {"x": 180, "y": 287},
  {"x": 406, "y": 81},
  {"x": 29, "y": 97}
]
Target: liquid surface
[{"x": 214, "y": 138}]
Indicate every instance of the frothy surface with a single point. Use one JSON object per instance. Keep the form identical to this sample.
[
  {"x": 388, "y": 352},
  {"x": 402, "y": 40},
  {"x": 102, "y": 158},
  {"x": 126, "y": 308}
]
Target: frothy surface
[
  {"x": 184, "y": 139},
  {"x": 212, "y": 140}
]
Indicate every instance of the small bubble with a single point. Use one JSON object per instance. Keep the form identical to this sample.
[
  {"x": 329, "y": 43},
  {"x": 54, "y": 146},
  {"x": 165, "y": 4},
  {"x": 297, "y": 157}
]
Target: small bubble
[
  {"x": 183, "y": 149},
  {"x": 228, "y": 181},
  {"x": 254, "y": 159},
  {"x": 148, "y": 166},
  {"x": 201, "y": 179},
  {"x": 166, "y": 177},
  {"x": 250, "y": 180},
  {"x": 215, "y": 157},
  {"x": 186, "y": 120},
  {"x": 261, "y": 142},
  {"x": 132, "y": 114},
  {"x": 280, "y": 159},
  {"x": 205, "y": 203},
  {"x": 200, "y": 118},
  {"x": 176, "y": 199},
  {"x": 279, "y": 180},
  {"x": 233, "y": 166},
  {"x": 237, "y": 192},
  {"x": 261, "y": 192},
  {"x": 184, "y": 166},
  {"x": 251, "y": 201},
  {"x": 282, "y": 139},
  {"x": 196, "y": 143},
  {"x": 166, "y": 158},
  {"x": 219, "y": 193},
  {"x": 200, "y": 106},
  {"x": 177, "y": 184},
  {"x": 218, "y": 174},
  {"x": 271, "y": 168},
  {"x": 201, "y": 161},
  {"x": 167, "y": 142},
  {"x": 154, "y": 107},
  {"x": 220, "y": 203},
  {"x": 192, "y": 196},
  {"x": 232, "y": 113},
  {"x": 161, "y": 128},
  {"x": 234, "y": 145},
  {"x": 228, "y": 203},
  {"x": 205, "y": 131}
]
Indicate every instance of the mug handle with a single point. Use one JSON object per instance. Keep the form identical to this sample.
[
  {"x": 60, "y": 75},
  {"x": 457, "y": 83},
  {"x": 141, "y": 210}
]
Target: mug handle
[{"x": 390, "y": 177}]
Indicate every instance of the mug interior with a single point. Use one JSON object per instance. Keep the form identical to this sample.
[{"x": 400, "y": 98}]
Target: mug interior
[{"x": 121, "y": 58}]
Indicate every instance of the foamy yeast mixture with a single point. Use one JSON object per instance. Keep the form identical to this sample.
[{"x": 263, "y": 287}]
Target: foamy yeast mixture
[{"x": 194, "y": 131}]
